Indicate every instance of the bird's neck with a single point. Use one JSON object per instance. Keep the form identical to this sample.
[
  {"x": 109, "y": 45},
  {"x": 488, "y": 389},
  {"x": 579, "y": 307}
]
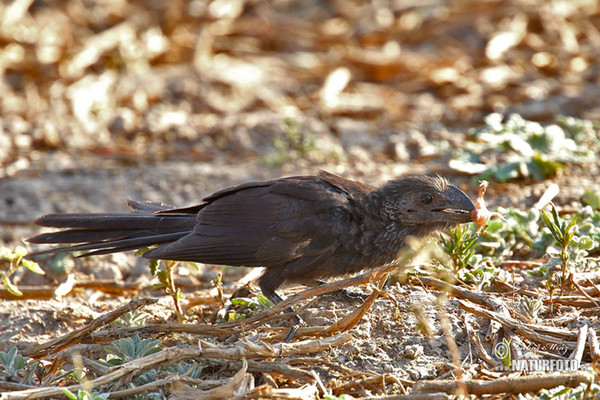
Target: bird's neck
[{"x": 384, "y": 236}]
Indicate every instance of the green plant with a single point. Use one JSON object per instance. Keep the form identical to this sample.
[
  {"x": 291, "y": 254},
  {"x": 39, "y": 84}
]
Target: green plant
[
  {"x": 467, "y": 266},
  {"x": 460, "y": 246},
  {"x": 503, "y": 353},
  {"x": 582, "y": 131},
  {"x": 131, "y": 318},
  {"x": 85, "y": 395},
  {"x": 591, "y": 198},
  {"x": 12, "y": 363},
  {"x": 127, "y": 349},
  {"x": 481, "y": 276},
  {"x": 146, "y": 396},
  {"x": 189, "y": 369},
  {"x": 243, "y": 307},
  {"x": 18, "y": 368},
  {"x": 218, "y": 284},
  {"x": 163, "y": 270},
  {"x": 143, "y": 379},
  {"x": 563, "y": 233},
  {"x": 531, "y": 306},
  {"x": 517, "y": 233},
  {"x": 519, "y": 149},
  {"x": 292, "y": 144},
  {"x": 583, "y": 391},
  {"x": 10, "y": 260}
]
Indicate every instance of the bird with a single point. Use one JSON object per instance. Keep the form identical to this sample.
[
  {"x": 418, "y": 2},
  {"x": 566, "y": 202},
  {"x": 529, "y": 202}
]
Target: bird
[{"x": 300, "y": 229}]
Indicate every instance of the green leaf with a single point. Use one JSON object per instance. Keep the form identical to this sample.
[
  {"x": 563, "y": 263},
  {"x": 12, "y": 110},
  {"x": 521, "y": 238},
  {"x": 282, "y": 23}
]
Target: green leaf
[
  {"x": 12, "y": 289},
  {"x": 12, "y": 362},
  {"x": 243, "y": 302},
  {"x": 547, "y": 168},
  {"x": 5, "y": 253},
  {"x": 574, "y": 221},
  {"x": 70, "y": 395},
  {"x": 507, "y": 171},
  {"x": 12, "y": 353},
  {"x": 20, "y": 251},
  {"x": 585, "y": 243},
  {"x": 591, "y": 198},
  {"x": 505, "y": 355},
  {"x": 555, "y": 215},
  {"x": 113, "y": 350},
  {"x": 127, "y": 347},
  {"x": 570, "y": 231},
  {"x": 195, "y": 265},
  {"x": 162, "y": 276},
  {"x": 10, "y": 255},
  {"x": 153, "y": 264},
  {"x": 266, "y": 303},
  {"x": 554, "y": 230},
  {"x": 178, "y": 293},
  {"x": 32, "y": 266},
  {"x": 140, "y": 252},
  {"x": 19, "y": 363},
  {"x": 113, "y": 362},
  {"x": 131, "y": 348}
]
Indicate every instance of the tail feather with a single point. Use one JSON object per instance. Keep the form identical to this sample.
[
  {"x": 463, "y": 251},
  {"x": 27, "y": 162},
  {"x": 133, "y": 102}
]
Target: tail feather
[
  {"x": 112, "y": 221},
  {"x": 111, "y": 233},
  {"x": 114, "y": 246},
  {"x": 86, "y": 236}
]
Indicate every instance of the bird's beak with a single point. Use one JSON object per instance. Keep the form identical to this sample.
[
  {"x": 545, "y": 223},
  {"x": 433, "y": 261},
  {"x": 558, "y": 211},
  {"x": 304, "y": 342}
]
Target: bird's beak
[{"x": 458, "y": 206}]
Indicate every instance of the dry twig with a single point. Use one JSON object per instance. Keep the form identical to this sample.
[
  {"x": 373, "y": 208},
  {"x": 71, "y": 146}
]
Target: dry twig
[
  {"x": 594, "y": 346},
  {"x": 244, "y": 349},
  {"x": 536, "y": 333},
  {"x": 64, "y": 341},
  {"x": 521, "y": 384}
]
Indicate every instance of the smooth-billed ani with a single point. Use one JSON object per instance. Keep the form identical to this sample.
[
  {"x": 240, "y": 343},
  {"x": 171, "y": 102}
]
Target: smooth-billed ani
[{"x": 300, "y": 229}]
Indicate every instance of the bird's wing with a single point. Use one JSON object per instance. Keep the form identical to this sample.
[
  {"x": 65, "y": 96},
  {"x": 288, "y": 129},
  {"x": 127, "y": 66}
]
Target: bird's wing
[
  {"x": 267, "y": 223},
  {"x": 353, "y": 189}
]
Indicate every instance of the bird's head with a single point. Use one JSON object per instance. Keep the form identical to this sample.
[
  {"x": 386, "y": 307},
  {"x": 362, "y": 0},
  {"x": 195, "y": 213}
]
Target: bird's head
[{"x": 427, "y": 201}]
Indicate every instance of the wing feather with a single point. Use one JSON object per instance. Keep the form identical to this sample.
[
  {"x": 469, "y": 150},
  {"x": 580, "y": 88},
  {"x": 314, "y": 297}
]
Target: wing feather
[{"x": 269, "y": 224}]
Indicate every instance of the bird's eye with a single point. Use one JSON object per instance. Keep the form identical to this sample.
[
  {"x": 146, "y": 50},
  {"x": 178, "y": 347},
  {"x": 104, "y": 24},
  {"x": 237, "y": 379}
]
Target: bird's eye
[{"x": 426, "y": 198}]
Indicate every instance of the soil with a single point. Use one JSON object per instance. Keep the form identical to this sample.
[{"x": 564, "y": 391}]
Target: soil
[{"x": 171, "y": 101}]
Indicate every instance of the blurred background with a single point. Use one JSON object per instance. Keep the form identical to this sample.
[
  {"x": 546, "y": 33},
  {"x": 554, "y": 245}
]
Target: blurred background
[
  {"x": 104, "y": 100},
  {"x": 168, "y": 101}
]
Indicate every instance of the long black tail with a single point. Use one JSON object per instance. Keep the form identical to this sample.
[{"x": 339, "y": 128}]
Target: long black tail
[{"x": 112, "y": 233}]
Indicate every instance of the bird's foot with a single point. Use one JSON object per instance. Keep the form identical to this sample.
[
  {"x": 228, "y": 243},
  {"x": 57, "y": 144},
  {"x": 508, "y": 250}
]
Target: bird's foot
[
  {"x": 293, "y": 331},
  {"x": 351, "y": 295}
]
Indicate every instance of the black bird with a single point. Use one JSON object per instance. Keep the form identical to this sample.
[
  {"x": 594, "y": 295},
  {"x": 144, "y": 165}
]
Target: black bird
[{"x": 302, "y": 229}]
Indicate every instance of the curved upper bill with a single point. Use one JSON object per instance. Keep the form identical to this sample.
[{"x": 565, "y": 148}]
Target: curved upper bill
[{"x": 458, "y": 206}]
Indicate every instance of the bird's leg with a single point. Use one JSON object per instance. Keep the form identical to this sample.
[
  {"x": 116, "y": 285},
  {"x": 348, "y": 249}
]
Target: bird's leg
[
  {"x": 275, "y": 298},
  {"x": 341, "y": 292}
]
